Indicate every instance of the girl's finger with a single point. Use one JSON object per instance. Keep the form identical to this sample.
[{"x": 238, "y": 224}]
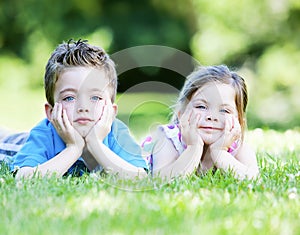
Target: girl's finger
[
  {"x": 194, "y": 119},
  {"x": 228, "y": 124},
  {"x": 232, "y": 122},
  {"x": 186, "y": 116}
]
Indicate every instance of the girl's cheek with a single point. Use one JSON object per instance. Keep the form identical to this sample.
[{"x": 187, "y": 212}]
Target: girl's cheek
[{"x": 223, "y": 119}]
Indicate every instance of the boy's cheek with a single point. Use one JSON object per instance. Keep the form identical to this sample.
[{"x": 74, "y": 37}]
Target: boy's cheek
[
  {"x": 97, "y": 110},
  {"x": 70, "y": 112}
]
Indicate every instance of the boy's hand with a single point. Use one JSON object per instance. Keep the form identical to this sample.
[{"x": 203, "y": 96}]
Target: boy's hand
[
  {"x": 103, "y": 126},
  {"x": 189, "y": 127},
  {"x": 231, "y": 133},
  {"x": 66, "y": 131}
]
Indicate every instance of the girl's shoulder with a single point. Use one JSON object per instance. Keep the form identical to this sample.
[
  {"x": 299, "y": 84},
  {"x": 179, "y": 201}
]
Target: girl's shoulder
[{"x": 172, "y": 132}]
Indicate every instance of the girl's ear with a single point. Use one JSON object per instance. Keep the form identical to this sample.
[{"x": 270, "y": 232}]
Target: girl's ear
[{"x": 48, "y": 110}]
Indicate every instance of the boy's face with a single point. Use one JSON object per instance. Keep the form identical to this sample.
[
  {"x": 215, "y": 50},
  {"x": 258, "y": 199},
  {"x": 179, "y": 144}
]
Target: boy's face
[{"x": 82, "y": 91}]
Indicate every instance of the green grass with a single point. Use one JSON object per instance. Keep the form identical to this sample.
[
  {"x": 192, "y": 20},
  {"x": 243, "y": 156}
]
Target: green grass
[{"x": 210, "y": 204}]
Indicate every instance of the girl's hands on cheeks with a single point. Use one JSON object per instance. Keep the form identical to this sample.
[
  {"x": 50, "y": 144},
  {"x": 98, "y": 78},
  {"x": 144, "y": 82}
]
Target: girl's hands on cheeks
[
  {"x": 103, "y": 126},
  {"x": 189, "y": 127},
  {"x": 232, "y": 132},
  {"x": 66, "y": 131}
]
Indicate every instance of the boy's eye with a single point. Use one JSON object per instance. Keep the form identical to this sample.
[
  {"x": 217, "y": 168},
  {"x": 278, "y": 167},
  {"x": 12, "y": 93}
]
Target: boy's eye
[
  {"x": 96, "y": 98},
  {"x": 69, "y": 98}
]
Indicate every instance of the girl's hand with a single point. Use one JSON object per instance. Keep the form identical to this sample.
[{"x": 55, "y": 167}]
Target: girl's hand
[
  {"x": 189, "y": 127},
  {"x": 66, "y": 131},
  {"x": 232, "y": 132},
  {"x": 103, "y": 126}
]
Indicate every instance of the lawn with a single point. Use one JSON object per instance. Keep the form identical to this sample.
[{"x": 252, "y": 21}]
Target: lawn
[{"x": 210, "y": 204}]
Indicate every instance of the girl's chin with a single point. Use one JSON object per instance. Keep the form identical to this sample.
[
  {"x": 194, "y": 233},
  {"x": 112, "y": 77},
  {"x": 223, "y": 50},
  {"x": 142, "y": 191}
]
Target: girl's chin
[{"x": 208, "y": 140}]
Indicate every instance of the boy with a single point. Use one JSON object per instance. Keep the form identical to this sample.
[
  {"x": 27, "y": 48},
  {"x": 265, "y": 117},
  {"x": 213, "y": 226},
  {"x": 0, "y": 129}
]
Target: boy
[{"x": 80, "y": 129}]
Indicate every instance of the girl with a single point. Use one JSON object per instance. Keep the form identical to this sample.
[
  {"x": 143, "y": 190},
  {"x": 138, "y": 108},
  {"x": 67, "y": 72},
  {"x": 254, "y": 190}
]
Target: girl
[{"x": 207, "y": 129}]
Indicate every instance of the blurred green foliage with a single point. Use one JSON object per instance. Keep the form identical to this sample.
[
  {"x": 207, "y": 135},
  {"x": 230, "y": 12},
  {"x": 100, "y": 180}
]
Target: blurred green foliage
[{"x": 259, "y": 38}]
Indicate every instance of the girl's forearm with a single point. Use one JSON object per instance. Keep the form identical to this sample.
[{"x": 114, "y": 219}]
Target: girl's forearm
[
  {"x": 225, "y": 161},
  {"x": 186, "y": 164}
]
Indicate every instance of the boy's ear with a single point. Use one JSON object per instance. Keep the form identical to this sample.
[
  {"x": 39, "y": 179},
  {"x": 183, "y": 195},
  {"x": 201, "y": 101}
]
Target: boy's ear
[
  {"x": 115, "y": 107},
  {"x": 48, "y": 110}
]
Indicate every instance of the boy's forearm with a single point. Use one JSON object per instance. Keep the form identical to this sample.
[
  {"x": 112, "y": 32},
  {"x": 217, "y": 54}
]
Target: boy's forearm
[
  {"x": 58, "y": 165},
  {"x": 114, "y": 164}
]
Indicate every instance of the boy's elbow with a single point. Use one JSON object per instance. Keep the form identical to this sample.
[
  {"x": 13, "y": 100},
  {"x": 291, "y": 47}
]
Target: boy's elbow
[{"x": 25, "y": 172}]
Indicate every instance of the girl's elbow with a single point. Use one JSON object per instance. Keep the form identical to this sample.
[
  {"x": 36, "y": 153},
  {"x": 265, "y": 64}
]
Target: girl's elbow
[{"x": 252, "y": 174}]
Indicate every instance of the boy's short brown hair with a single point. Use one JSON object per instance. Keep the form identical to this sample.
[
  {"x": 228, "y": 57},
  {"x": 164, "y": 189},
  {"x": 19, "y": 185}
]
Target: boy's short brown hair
[{"x": 77, "y": 53}]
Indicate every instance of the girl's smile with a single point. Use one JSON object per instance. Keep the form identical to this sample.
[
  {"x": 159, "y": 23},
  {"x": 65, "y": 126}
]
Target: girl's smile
[{"x": 214, "y": 102}]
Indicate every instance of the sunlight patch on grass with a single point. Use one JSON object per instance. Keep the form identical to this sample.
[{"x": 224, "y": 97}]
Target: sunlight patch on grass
[
  {"x": 274, "y": 142},
  {"x": 101, "y": 202}
]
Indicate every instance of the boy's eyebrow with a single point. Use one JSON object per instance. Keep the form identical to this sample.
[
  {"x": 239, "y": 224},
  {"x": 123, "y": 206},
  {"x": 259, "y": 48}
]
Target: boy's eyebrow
[
  {"x": 96, "y": 89},
  {"x": 68, "y": 89}
]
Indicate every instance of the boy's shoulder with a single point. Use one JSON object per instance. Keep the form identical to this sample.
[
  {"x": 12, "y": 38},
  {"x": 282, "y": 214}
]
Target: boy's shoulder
[
  {"x": 118, "y": 124},
  {"x": 44, "y": 126}
]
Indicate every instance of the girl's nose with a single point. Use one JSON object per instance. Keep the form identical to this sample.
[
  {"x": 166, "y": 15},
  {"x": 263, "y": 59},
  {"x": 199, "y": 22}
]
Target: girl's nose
[{"x": 211, "y": 117}]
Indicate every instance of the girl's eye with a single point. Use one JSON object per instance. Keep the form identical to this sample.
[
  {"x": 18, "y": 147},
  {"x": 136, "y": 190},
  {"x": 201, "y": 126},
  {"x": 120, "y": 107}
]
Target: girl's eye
[
  {"x": 69, "y": 98},
  {"x": 225, "y": 111},
  {"x": 96, "y": 98},
  {"x": 200, "y": 106}
]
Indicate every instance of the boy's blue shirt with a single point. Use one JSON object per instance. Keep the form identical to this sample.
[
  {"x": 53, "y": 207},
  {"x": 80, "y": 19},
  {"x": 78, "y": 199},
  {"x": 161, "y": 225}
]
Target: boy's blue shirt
[{"x": 44, "y": 143}]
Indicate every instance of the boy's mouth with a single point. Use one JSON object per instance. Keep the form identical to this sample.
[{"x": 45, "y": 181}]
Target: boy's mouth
[{"x": 83, "y": 121}]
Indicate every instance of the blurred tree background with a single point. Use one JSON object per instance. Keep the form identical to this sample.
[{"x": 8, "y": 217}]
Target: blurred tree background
[{"x": 259, "y": 38}]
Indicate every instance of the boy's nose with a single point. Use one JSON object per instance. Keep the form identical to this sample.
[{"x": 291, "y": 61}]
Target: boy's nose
[{"x": 81, "y": 110}]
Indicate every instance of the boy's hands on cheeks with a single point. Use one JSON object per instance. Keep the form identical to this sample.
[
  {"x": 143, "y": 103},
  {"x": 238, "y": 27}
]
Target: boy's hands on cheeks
[
  {"x": 189, "y": 127},
  {"x": 232, "y": 132},
  {"x": 64, "y": 128},
  {"x": 103, "y": 126}
]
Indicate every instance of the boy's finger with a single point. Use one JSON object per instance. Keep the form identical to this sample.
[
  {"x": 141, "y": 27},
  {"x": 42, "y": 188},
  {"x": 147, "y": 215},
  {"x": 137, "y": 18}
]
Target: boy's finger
[{"x": 65, "y": 118}]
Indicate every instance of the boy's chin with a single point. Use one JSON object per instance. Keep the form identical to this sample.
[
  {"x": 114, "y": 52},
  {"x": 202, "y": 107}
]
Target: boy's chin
[{"x": 84, "y": 131}]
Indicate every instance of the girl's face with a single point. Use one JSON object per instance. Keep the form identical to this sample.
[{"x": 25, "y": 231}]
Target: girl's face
[
  {"x": 82, "y": 91},
  {"x": 214, "y": 102}
]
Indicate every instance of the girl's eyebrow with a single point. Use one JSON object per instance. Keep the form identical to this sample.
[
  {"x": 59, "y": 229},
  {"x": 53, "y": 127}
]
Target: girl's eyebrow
[
  {"x": 201, "y": 100},
  {"x": 228, "y": 106}
]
